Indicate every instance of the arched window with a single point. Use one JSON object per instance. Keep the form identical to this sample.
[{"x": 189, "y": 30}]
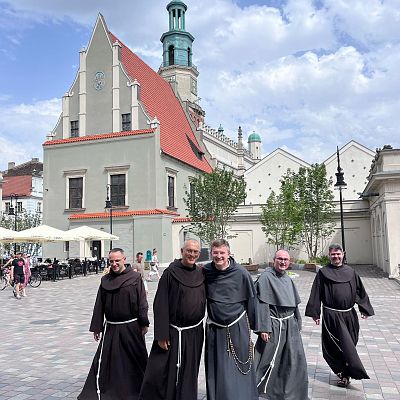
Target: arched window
[
  {"x": 189, "y": 61},
  {"x": 171, "y": 59}
]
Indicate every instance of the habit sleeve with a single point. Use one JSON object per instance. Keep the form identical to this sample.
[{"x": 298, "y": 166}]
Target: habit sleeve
[
  {"x": 142, "y": 304},
  {"x": 161, "y": 309},
  {"x": 362, "y": 299},
  {"x": 97, "y": 322},
  {"x": 313, "y": 308},
  {"x": 252, "y": 312},
  {"x": 263, "y": 314}
]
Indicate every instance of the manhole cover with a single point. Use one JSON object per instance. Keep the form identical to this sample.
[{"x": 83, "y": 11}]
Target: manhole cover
[{"x": 45, "y": 322}]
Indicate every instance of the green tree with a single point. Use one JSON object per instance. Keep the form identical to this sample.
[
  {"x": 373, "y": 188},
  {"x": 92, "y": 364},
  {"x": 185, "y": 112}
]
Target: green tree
[
  {"x": 25, "y": 220},
  {"x": 211, "y": 201},
  {"x": 314, "y": 192},
  {"x": 302, "y": 212},
  {"x": 281, "y": 218}
]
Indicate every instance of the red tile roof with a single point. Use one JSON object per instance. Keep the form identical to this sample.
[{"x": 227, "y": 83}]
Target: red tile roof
[
  {"x": 121, "y": 214},
  {"x": 99, "y": 136},
  {"x": 19, "y": 185},
  {"x": 183, "y": 219},
  {"x": 161, "y": 102}
]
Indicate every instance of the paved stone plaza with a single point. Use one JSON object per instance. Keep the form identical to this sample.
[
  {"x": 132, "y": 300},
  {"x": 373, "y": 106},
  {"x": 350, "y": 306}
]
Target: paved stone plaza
[{"x": 46, "y": 349}]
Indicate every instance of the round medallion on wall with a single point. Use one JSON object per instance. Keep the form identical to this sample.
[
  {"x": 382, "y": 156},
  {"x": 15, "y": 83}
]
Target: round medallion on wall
[{"x": 99, "y": 80}]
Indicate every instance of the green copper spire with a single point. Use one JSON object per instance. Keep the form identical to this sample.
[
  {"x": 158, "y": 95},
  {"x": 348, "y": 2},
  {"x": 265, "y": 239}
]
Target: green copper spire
[{"x": 177, "y": 43}]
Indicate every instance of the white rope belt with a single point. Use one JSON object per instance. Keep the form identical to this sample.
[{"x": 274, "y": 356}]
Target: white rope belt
[
  {"x": 180, "y": 329},
  {"x": 334, "y": 339},
  {"x": 334, "y": 309},
  {"x": 102, "y": 344},
  {"x": 210, "y": 321},
  {"x": 272, "y": 363}
]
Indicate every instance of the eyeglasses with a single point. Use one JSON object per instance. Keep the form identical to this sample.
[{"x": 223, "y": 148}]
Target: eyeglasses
[{"x": 285, "y": 260}]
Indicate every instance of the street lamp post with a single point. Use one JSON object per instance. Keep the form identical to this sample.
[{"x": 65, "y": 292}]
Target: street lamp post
[
  {"x": 14, "y": 211},
  {"x": 109, "y": 206},
  {"x": 341, "y": 185}
]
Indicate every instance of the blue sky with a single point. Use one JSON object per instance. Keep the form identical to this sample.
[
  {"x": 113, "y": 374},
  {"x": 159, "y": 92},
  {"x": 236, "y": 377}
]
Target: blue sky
[{"x": 306, "y": 75}]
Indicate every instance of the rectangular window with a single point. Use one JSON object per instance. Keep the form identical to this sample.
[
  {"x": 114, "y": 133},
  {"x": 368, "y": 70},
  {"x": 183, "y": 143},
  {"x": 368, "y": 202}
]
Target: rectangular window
[
  {"x": 66, "y": 246},
  {"x": 7, "y": 210},
  {"x": 74, "y": 129},
  {"x": 75, "y": 192},
  {"x": 118, "y": 189},
  {"x": 126, "y": 122},
  {"x": 39, "y": 207},
  {"x": 171, "y": 191},
  {"x": 19, "y": 206}
]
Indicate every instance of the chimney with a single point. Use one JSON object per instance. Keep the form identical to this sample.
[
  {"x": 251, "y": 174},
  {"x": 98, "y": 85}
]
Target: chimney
[{"x": 11, "y": 165}]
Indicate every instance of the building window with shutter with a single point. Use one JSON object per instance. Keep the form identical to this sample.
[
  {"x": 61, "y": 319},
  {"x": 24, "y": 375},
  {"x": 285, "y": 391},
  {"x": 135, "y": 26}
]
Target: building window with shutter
[
  {"x": 75, "y": 192},
  {"x": 126, "y": 122},
  {"x": 74, "y": 129},
  {"x": 118, "y": 189}
]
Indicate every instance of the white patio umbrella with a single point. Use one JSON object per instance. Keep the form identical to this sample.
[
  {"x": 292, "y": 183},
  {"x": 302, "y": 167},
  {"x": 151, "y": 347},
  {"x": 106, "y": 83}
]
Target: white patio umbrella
[
  {"x": 42, "y": 233},
  {"x": 6, "y": 233},
  {"x": 88, "y": 233}
]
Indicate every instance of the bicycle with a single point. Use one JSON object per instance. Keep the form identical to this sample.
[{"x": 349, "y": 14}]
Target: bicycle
[
  {"x": 35, "y": 279},
  {"x": 5, "y": 279}
]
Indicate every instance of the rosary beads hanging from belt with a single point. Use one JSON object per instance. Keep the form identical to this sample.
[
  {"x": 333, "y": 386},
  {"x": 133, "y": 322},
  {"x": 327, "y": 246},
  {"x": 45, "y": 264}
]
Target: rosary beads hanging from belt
[{"x": 231, "y": 350}]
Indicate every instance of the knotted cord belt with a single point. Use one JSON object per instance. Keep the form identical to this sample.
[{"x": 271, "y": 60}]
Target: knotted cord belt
[
  {"x": 335, "y": 340},
  {"x": 231, "y": 349},
  {"x": 272, "y": 363},
  {"x": 180, "y": 329},
  {"x": 102, "y": 344}
]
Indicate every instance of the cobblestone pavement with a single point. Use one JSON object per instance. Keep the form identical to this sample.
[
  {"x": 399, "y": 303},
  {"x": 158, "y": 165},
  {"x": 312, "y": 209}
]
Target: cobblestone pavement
[{"x": 46, "y": 349}]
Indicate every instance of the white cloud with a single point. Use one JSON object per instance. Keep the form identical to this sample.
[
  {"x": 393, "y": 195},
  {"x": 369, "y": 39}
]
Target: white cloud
[
  {"x": 305, "y": 78},
  {"x": 23, "y": 129}
]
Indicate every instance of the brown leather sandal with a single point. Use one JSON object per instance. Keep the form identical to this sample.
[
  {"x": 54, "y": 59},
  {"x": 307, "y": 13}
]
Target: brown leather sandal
[{"x": 343, "y": 382}]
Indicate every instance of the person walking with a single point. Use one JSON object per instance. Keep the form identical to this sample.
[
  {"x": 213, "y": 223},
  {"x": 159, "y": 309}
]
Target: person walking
[
  {"x": 17, "y": 274},
  {"x": 138, "y": 267},
  {"x": 120, "y": 322},
  {"x": 280, "y": 361},
  {"x": 179, "y": 307},
  {"x": 338, "y": 288},
  {"x": 27, "y": 273},
  {"x": 231, "y": 302},
  {"x": 154, "y": 264}
]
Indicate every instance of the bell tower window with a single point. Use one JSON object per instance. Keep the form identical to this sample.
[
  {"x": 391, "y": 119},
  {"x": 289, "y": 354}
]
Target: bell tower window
[{"x": 171, "y": 55}]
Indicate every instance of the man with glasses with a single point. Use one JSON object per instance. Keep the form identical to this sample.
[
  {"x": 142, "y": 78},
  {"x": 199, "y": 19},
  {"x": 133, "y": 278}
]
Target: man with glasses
[
  {"x": 179, "y": 307},
  {"x": 280, "y": 362},
  {"x": 338, "y": 288}
]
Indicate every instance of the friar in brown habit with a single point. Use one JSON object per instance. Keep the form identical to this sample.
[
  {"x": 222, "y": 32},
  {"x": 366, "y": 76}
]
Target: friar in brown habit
[
  {"x": 338, "y": 287},
  {"x": 120, "y": 320},
  {"x": 179, "y": 307}
]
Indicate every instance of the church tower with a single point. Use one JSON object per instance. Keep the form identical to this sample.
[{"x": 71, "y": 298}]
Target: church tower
[
  {"x": 254, "y": 143},
  {"x": 177, "y": 67}
]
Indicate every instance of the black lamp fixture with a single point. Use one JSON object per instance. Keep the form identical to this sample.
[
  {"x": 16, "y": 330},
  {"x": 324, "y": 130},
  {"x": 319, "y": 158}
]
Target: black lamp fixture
[
  {"x": 109, "y": 207},
  {"x": 341, "y": 185},
  {"x": 14, "y": 211}
]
